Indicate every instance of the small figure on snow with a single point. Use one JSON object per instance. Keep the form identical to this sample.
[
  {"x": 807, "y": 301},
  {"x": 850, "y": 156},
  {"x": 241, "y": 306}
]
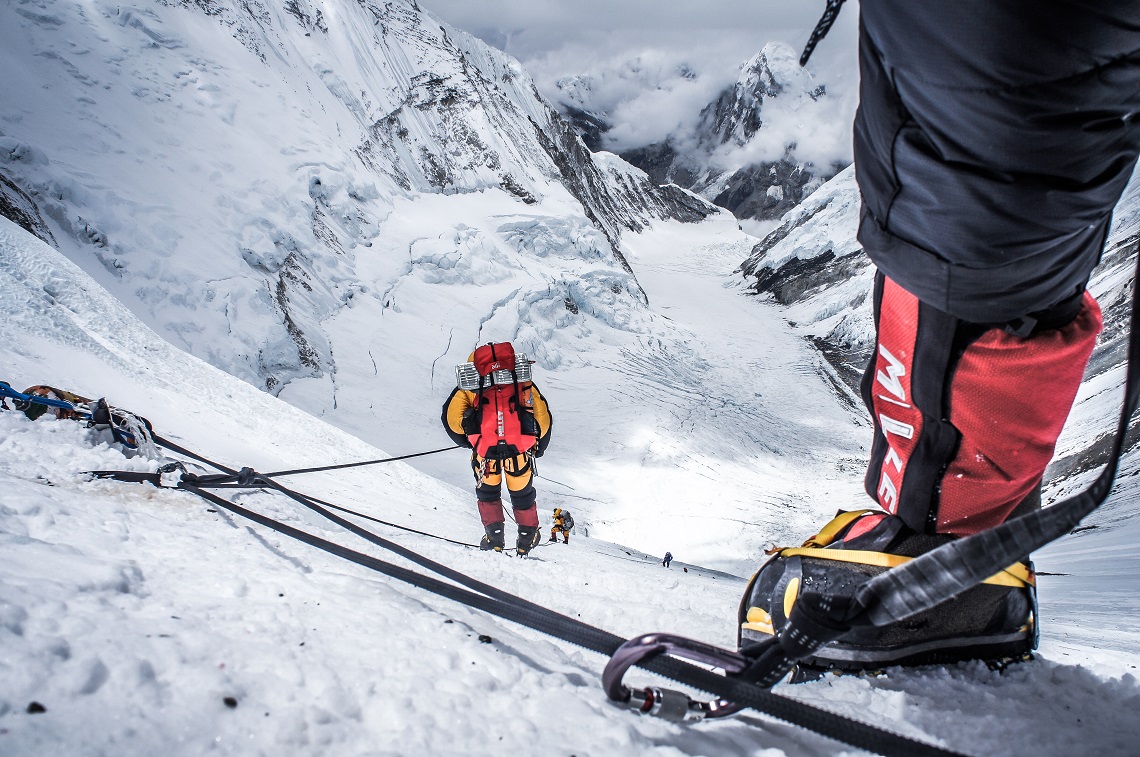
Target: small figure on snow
[
  {"x": 498, "y": 412},
  {"x": 563, "y": 522},
  {"x": 668, "y": 559}
]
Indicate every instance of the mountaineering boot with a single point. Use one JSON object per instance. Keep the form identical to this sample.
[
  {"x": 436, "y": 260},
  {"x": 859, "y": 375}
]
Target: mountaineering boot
[
  {"x": 995, "y": 621},
  {"x": 493, "y": 539},
  {"x": 528, "y": 539}
]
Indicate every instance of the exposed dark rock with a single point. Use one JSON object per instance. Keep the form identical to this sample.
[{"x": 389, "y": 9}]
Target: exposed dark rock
[
  {"x": 20, "y": 209},
  {"x": 797, "y": 278},
  {"x": 591, "y": 126}
]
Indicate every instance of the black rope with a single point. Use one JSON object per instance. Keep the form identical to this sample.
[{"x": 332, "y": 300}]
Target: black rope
[
  {"x": 518, "y": 610},
  {"x": 386, "y": 523},
  {"x": 230, "y": 481},
  {"x": 826, "y": 21},
  {"x": 298, "y": 471}
]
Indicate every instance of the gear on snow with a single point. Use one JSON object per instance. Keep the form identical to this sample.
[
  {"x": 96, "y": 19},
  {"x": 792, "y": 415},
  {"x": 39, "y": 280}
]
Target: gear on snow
[{"x": 132, "y": 431}]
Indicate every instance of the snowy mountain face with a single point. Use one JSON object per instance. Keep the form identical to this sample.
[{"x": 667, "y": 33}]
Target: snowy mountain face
[
  {"x": 741, "y": 153},
  {"x": 337, "y": 206},
  {"x": 228, "y": 168}
]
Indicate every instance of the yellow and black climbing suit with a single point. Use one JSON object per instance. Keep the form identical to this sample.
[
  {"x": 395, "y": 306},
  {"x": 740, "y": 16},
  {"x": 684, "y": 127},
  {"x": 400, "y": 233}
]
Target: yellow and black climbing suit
[
  {"x": 489, "y": 472},
  {"x": 560, "y": 526}
]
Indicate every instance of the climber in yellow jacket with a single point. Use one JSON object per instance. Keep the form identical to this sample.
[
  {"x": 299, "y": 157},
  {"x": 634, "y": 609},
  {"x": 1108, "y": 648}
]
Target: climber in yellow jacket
[
  {"x": 563, "y": 522},
  {"x": 499, "y": 413}
]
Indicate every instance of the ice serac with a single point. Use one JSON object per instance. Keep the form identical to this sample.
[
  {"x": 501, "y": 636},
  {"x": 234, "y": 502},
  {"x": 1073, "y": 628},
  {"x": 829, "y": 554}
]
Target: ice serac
[
  {"x": 742, "y": 155},
  {"x": 227, "y": 167}
]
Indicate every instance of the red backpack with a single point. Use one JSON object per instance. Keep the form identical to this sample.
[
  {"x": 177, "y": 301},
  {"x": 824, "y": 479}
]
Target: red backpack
[{"x": 504, "y": 404}]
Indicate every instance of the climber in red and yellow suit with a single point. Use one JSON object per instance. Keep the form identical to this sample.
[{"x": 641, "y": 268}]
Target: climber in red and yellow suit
[{"x": 459, "y": 420}]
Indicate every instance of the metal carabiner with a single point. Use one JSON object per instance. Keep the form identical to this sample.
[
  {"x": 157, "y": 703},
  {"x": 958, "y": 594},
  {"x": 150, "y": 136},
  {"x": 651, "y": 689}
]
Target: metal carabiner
[{"x": 675, "y": 706}]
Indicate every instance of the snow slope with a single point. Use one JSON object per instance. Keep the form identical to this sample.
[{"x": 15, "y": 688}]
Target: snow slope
[
  {"x": 226, "y": 168},
  {"x": 143, "y": 620}
]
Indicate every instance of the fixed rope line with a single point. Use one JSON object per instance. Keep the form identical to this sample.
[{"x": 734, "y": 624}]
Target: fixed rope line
[
  {"x": 296, "y": 471},
  {"x": 259, "y": 480},
  {"x": 516, "y": 609},
  {"x": 299, "y": 471},
  {"x": 229, "y": 482},
  {"x": 330, "y": 505}
]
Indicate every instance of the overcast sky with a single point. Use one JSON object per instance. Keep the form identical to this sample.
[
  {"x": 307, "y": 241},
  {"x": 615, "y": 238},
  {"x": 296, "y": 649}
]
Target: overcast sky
[
  {"x": 642, "y": 53},
  {"x": 532, "y": 29}
]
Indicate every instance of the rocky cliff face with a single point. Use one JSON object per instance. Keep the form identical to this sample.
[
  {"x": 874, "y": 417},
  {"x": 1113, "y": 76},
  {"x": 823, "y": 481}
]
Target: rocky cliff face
[{"x": 226, "y": 167}]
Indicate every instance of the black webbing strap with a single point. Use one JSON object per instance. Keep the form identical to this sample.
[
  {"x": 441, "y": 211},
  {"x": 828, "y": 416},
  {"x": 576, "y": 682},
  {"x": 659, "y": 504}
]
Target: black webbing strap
[
  {"x": 523, "y": 612},
  {"x": 519, "y": 610}
]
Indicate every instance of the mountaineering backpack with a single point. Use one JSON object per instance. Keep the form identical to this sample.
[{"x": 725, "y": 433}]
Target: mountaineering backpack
[
  {"x": 34, "y": 410},
  {"x": 131, "y": 430},
  {"x": 567, "y": 520},
  {"x": 995, "y": 620},
  {"x": 501, "y": 425}
]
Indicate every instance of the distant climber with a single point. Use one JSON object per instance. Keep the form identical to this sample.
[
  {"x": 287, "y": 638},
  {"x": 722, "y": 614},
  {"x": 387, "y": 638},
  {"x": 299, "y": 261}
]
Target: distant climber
[
  {"x": 499, "y": 413},
  {"x": 563, "y": 522},
  {"x": 668, "y": 559}
]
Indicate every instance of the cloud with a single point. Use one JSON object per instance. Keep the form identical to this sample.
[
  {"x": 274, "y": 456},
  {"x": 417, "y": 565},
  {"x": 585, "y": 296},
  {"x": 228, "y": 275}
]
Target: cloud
[
  {"x": 653, "y": 65},
  {"x": 648, "y": 93}
]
